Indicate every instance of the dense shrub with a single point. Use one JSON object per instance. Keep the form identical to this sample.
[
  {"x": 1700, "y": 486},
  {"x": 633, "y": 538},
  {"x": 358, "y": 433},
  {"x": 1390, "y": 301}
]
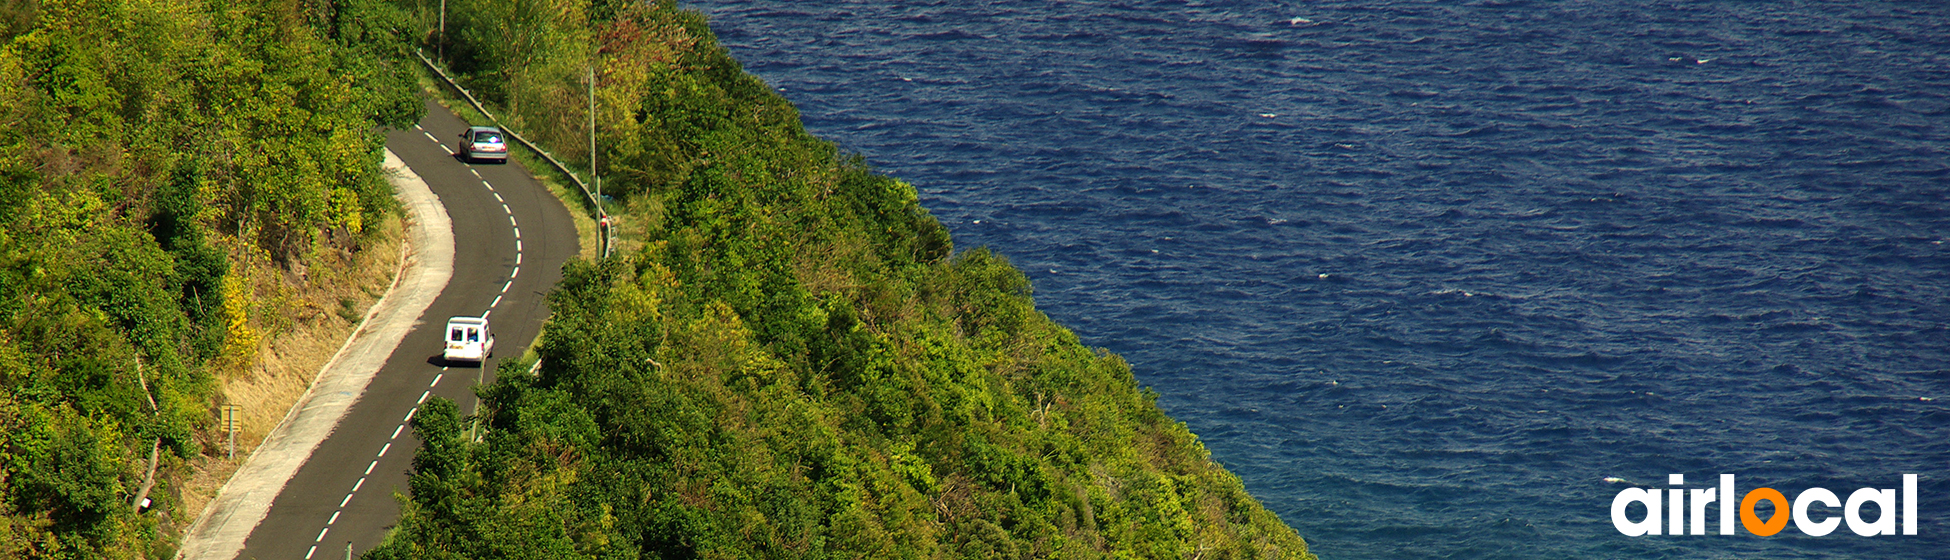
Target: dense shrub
[{"x": 143, "y": 146}]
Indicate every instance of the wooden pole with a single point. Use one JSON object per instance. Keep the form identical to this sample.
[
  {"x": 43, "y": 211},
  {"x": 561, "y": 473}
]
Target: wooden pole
[{"x": 155, "y": 449}]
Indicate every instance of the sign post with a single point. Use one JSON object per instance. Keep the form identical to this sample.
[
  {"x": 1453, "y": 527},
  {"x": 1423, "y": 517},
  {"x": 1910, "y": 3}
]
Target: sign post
[{"x": 230, "y": 425}]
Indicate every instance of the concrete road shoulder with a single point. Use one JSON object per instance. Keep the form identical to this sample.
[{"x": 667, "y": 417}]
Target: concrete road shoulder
[{"x": 219, "y": 533}]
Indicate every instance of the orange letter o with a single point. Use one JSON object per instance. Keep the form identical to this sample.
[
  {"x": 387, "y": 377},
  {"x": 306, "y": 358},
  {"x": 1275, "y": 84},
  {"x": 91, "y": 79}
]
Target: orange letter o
[{"x": 1752, "y": 522}]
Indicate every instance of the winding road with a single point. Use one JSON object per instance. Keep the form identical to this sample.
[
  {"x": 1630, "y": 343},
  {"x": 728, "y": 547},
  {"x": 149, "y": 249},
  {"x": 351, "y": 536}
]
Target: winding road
[{"x": 511, "y": 237}]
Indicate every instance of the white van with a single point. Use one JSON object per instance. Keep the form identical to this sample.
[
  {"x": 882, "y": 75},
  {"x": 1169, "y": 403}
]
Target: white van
[{"x": 468, "y": 340}]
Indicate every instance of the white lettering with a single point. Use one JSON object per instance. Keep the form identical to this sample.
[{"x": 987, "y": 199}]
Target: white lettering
[
  {"x": 1811, "y": 496},
  {"x": 1727, "y": 504},
  {"x": 1812, "y": 511},
  {"x": 1650, "y": 498},
  {"x": 1701, "y": 497},
  {"x": 1909, "y": 504},
  {"x": 1676, "y": 521},
  {"x": 1885, "y": 521}
]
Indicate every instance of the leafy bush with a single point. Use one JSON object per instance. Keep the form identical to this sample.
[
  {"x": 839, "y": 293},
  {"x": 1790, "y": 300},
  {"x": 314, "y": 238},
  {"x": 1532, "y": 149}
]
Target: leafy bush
[{"x": 142, "y": 146}]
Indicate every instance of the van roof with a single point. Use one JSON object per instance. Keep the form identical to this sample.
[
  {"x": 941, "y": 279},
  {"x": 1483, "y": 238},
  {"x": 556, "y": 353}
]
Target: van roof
[{"x": 466, "y": 321}]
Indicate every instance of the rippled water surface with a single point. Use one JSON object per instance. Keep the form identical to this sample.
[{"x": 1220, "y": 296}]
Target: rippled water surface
[{"x": 1427, "y": 274}]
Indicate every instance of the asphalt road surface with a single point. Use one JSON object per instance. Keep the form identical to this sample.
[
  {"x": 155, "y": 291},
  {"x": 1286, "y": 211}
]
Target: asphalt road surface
[{"x": 511, "y": 237}]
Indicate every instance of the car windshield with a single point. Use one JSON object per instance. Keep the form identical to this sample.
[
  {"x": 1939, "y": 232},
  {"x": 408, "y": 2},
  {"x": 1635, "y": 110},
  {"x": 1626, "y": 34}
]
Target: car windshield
[{"x": 488, "y": 138}]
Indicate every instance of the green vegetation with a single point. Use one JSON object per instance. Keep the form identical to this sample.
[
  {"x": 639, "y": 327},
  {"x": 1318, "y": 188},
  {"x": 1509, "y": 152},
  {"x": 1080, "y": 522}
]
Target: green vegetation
[
  {"x": 795, "y": 363},
  {"x": 153, "y": 155}
]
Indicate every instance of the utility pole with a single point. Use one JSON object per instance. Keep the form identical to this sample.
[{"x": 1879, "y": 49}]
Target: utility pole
[
  {"x": 480, "y": 377},
  {"x": 602, "y": 216},
  {"x": 440, "y": 49},
  {"x": 592, "y": 141}
]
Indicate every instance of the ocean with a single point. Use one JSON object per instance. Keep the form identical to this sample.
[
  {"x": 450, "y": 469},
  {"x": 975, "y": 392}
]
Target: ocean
[{"x": 1440, "y": 279}]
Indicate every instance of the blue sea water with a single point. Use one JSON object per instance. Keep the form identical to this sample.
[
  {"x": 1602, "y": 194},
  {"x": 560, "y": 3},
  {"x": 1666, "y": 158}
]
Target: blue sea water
[{"x": 1438, "y": 279}]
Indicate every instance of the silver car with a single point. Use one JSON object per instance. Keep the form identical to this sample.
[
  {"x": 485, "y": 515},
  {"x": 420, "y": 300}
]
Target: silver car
[{"x": 483, "y": 143}]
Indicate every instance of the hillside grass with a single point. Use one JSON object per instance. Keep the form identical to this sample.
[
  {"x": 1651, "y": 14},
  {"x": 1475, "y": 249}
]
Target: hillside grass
[{"x": 315, "y": 318}]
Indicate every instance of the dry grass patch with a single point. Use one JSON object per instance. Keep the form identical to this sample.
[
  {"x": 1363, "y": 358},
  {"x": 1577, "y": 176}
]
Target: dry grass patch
[{"x": 306, "y": 314}]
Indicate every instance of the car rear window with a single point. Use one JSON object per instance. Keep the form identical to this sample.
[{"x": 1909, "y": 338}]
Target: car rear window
[{"x": 488, "y": 138}]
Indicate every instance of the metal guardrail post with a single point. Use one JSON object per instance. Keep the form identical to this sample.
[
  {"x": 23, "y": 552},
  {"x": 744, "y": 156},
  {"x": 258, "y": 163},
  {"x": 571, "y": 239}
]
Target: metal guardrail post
[{"x": 602, "y": 216}]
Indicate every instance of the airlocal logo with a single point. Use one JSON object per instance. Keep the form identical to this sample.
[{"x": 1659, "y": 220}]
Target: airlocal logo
[{"x": 1673, "y": 515}]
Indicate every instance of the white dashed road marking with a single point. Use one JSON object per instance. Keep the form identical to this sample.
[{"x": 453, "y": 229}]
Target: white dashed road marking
[{"x": 436, "y": 378}]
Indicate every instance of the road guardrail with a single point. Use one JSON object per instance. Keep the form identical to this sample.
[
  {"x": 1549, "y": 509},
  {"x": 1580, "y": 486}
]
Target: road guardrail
[{"x": 602, "y": 216}]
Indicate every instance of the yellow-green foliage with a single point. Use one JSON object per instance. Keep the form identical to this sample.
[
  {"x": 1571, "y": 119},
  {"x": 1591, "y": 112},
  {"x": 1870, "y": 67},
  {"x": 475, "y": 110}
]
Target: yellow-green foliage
[
  {"x": 797, "y": 365},
  {"x": 142, "y": 143}
]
